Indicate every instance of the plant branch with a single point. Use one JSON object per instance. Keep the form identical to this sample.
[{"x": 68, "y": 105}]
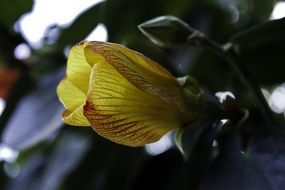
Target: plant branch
[{"x": 229, "y": 54}]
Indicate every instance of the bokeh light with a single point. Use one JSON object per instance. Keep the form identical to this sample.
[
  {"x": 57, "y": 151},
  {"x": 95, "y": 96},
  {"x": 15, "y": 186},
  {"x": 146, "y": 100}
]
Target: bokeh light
[
  {"x": 277, "y": 99},
  {"x": 278, "y": 10},
  {"x": 160, "y": 146},
  {"x": 223, "y": 95},
  {"x": 7, "y": 154},
  {"x": 33, "y": 25},
  {"x": 22, "y": 51},
  {"x": 2, "y": 105},
  {"x": 100, "y": 33},
  {"x": 12, "y": 169}
]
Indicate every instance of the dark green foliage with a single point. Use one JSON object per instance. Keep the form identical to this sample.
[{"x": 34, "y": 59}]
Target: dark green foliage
[
  {"x": 261, "y": 48},
  {"x": 10, "y": 11}
]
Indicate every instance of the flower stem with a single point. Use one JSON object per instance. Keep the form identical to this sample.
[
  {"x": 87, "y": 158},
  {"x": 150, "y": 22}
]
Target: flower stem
[{"x": 230, "y": 56}]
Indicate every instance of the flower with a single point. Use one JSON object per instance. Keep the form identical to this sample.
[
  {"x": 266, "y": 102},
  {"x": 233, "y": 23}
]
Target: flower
[{"x": 124, "y": 96}]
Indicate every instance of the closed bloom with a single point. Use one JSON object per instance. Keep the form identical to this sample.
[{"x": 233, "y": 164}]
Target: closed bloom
[{"x": 124, "y": 96}]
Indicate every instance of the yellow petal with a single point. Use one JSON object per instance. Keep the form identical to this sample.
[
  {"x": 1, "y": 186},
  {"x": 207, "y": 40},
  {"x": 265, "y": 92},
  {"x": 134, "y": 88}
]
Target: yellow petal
[
  {"x": 75, "y": 118},
  {"x": 117, "y": 55},
  {"x": 73, "y": 100},
  {"x": 78, "y": 69},
  {"x": 119, "y": 111},
  {"x": 72, "y": 90},
  {"x": 142, "y": 72},
  {"x": 69, "y": 95}
]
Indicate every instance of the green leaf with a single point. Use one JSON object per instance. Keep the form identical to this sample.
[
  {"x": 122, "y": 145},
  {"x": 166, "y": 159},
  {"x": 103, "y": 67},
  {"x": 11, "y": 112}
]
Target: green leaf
[
  {"x": 191, "y": 138},
  {"x": 186, "y": 139},
  {"x": 120, "y": 17},
  {"x": 166, "y": 31},
  {"x": 272, "y": 31},
  {"x": 262, "y": 51},
  {"x": 10, "y": 11},
  {"x": 259, "y": 11},
  {"x": 81, "y": 27}
]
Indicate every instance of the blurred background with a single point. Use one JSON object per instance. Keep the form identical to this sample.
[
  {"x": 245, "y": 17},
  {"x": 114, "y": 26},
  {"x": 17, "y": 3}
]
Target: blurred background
[{"x": 39, "y": 152}]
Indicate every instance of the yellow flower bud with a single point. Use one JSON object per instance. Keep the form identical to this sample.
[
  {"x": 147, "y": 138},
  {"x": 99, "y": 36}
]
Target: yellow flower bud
[{"x": 124, "y": 96}]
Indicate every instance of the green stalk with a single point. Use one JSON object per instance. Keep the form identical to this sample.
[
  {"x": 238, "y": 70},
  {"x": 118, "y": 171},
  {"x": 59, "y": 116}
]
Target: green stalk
[{"x": 228, "y": 53}]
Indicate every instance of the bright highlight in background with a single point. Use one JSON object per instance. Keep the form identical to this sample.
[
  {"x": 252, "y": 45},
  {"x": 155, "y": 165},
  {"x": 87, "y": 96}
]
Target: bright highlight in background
[
  {"x": 7, "y": 154},
  {"x": 278, "y": 11},
  {"x": 223, "y": 95},
  {"x": 277, "y": 99},
  {"x": 46, "y": 13},
  {"x": 98, "y": 34},
  {"x": 2, "y": 105},
  {"x": 22, "y": 51},
  {"x": 160, "y": 146}
]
